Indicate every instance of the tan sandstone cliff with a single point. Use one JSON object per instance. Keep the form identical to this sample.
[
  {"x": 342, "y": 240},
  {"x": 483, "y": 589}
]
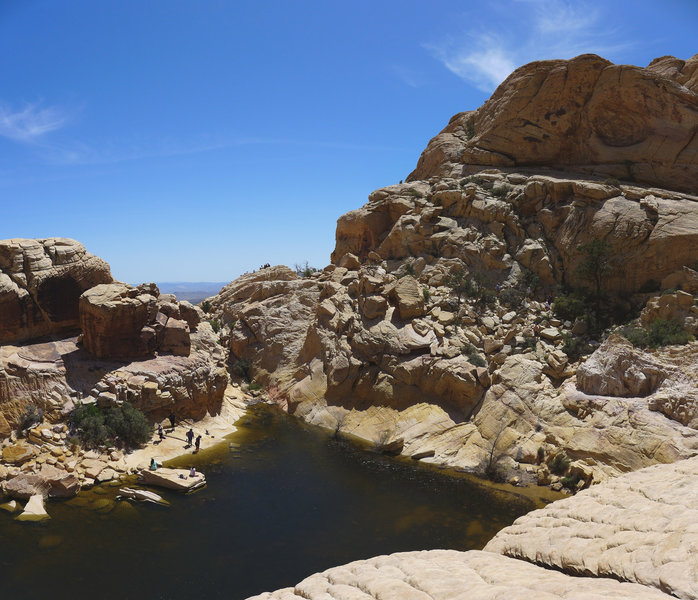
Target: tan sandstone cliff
[{"x": 378, "y": 345}]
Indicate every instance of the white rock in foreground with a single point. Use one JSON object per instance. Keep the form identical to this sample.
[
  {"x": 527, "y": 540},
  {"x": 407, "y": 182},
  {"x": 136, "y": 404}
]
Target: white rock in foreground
[
  {"x": 453, "y": 575},
  {"x": 34, "y": 510},
  {"x": 641, "y": 527}
]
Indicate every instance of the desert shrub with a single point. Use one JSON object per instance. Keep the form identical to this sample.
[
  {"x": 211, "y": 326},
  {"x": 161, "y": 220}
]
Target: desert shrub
[
  {"x": 487, "y": 296},
  {"x": 559, "y": 463},
  {"x": 241, "y": 368},
  {"x": 530, "y": 342},
  {"x": 501, "y": 190},
  {"x": 460, "y": 284},
  {"x": 661, "y": 332},
  {"x": 128, "y": 425},
  {"x": 304, "y": 269},
  {"x": 570, "y": 481},
  {"x": 414, "y": 193},
  {"x": 611, "y": 181},
  {"x": 123, "y": 425},
  {"x": 32, "y": 415},
  {"x": 570, "y": 307},
  {"x": 215, "y": 325},
  {"x": 206, "y": 306},
  {"x": 511, "y": 297},
  {"x": 667, "y": 291},
  {"x": 426, "y": 294},
  {"x": 574, "y": 346},
  {"x": 254, "y": 386},
  {"x": 86, "y": 421},
  {"x": 637, "y": 336},
  {"x": 476, "y": 360}
]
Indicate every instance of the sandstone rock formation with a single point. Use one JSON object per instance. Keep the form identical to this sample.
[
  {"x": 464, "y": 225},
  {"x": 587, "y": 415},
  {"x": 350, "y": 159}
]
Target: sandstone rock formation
[
  {"x": 344, "y": 339},
  {"x": 120, "y": 321},
  {"x": 640, "y": 527},
  {"x": 447, "y": 574},
  {"x": 40, "y": 283},
  {"x": 584, "y": 115}
]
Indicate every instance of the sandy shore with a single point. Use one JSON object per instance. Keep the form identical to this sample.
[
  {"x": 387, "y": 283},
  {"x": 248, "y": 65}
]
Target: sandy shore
[{"x": 212, "y": 430}]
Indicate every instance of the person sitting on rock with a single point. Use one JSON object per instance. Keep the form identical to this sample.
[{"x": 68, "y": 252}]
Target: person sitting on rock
[
  {"x": 190, "y": 437},
  {"x": 153, "y": 464}
]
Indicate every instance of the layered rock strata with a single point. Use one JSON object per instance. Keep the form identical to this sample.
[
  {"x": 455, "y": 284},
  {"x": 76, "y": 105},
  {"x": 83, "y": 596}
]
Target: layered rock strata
[
  {"x": 121, "y": 321},
  {"x": 583, "y": 115},
  {"x": 640, "y": 527},
  {"x": 40, "y": 283},
  {"x": 447, "y": 574}
]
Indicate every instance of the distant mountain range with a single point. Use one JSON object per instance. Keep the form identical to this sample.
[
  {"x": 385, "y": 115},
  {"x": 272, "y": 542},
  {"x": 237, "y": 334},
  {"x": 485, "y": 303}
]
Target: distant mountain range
[{"x": 193, "y": 291}]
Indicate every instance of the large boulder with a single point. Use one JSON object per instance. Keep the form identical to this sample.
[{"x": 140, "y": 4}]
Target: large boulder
[
  {"x": 40, "y": 286},
  {"x": 583, "y": 114},
  {"x": 122, "y": 321}
]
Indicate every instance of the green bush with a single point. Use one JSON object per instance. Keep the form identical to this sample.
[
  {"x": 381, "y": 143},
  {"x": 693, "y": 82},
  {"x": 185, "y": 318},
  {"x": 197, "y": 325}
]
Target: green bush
[
  {"x": 426, "y": 294},
  {"x": 123, "y": 425},
  {"x": 559, "y": 463},
  {"x": 460, "y": 284},
  {"x": 206, "y": 306},
  {"x": 304, "y": 270},
  {"x": 215, "y": 325},
  {"x": 574, "y": 347},
  {"x": 570, "y": 307},
  {"x": 241, "y": 368},
  {"x": 31, "y": 416},
  {"x": 511, "y": 297},
  {"x": 476, "y": 360},
  {"x": 501, "y": 190},
  {"x": 661, "y": 332}
]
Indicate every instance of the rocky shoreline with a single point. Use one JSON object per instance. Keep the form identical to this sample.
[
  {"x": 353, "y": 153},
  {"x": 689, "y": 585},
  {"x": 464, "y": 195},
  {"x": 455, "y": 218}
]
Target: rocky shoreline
[{"x": 44, "y": 464}]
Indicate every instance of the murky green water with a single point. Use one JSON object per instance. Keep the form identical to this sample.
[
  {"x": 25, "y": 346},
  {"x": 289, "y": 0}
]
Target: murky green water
[{"x": 287, "y": 502}]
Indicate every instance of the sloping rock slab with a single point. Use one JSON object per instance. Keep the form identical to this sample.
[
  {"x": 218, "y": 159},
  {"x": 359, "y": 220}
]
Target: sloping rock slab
[
  {"x": 641, "y": 527},
  {"x": 448, "y": 574},
  {"x": 173, "y": 479}
]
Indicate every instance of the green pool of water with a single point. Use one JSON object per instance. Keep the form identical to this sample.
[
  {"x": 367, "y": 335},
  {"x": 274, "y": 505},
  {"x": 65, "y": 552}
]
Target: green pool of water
[{"x": 283, "y": 501}]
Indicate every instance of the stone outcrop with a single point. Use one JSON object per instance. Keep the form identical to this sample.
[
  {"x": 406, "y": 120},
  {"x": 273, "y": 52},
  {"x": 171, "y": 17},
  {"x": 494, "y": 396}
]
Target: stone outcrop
[
  {"x": 122, "y": 321},
  {"x": 40, "y": 284},
  {"x": 584, "y": 115},
  {"x": 639, "y": 527},
  {"x": 337, "y": 341},
  {"x": 447, "y": 574}
]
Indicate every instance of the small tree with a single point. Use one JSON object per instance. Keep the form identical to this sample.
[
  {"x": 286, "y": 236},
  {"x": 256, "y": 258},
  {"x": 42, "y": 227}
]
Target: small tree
[
  {"x": 596, "y": 264},
  {"x": 460, "y": 284}
]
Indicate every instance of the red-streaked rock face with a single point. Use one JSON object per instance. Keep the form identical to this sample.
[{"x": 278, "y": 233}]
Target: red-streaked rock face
[
  {"x": 40, "y": 286},
  {"x": 586, "y": 115}
]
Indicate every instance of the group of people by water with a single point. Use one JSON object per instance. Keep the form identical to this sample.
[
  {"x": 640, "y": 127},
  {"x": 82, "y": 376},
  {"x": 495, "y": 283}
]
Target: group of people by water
[{"x": 190, "y": 434}]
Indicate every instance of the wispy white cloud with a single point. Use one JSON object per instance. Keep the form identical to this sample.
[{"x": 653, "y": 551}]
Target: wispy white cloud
[
  {"x": 520, "y": 31},
  {"x": 31, "y": 123},
  {"x": 407, "y": 76}
]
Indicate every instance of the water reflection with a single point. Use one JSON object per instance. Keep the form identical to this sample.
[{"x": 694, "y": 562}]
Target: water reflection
[{"x": 282, "y": 501}]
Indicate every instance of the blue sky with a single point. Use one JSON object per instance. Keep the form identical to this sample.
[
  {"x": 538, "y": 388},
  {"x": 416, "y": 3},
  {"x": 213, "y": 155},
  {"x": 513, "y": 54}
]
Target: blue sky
[{"x": 193, "y": 141}]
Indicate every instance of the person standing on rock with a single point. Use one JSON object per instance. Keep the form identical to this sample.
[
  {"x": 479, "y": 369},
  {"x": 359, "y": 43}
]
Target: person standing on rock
[
  {"x": 190, "y": 436},
  {"x": 198, "y": 443}
]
